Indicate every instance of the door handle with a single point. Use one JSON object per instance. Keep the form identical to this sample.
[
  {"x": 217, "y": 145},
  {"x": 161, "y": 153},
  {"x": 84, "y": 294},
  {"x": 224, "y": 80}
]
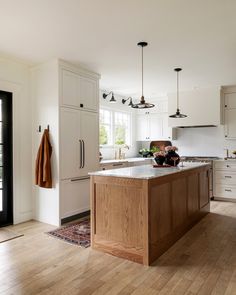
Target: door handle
[
  {"x": 228, "y": 190},
  {"x": 80, "y": 153},
  {"x": 83, "y": 154},
  {"x": 227, "y": 176}
]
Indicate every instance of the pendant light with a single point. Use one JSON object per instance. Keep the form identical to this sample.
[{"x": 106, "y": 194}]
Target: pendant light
[
  {"x": 178, "y": 114},
  {"x": 142, "y": 104}
]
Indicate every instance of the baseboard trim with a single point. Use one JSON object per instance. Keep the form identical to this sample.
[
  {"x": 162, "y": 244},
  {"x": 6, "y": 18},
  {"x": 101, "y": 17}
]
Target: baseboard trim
[{"x": 74, "y": 217}]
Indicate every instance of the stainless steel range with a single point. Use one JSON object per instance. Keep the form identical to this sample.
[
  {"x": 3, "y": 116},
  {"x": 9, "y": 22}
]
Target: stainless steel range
[{"x": 208, "y": 160}]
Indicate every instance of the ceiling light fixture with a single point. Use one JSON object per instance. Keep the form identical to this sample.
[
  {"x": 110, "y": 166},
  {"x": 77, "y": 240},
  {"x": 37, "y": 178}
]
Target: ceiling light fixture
[
  {"x": 112, "y": 100},
  {"x": 178, "y": 114},
  {"x": 142, "y": 104},
  {"x": 130, "y": 101}
]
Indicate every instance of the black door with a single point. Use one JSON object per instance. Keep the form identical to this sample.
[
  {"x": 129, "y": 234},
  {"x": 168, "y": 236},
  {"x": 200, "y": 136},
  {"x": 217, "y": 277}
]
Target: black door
[{"x": 6, "y": 186}]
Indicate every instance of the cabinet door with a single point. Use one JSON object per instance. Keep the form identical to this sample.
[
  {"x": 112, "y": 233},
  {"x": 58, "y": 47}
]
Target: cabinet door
[
  {"x": 70, "y": 89},
  {"x": 89, "y": 126},
  {"x": 74, "y": 197},
  {"x": 88, "y": 94},
  {"x": 230, "y": 123},
  {"x": 70, "y": 145},
  {"x": 204, "y": 188},
  {"x": 142, "y": 127},
  {"x": 230, "y": 100},
  {"x": 155, "y": 126},
  {"x": 168, "y": 132}
]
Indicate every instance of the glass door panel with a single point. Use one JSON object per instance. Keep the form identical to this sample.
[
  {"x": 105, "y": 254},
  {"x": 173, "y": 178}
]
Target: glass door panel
[{"x": 6, "y": 197}]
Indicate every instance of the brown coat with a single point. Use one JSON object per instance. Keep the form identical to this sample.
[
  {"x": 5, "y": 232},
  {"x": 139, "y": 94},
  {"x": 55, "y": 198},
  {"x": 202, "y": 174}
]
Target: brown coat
[{"x": 43, "y": 176}]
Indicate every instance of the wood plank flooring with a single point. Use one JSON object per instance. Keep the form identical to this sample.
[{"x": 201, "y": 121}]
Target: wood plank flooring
[{"x": 202, "y": 262}]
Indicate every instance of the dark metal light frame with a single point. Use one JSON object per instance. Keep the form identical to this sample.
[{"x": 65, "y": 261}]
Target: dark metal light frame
[
  {"x": 178, "y": 113},
  {"x": 112, "y": 100},
  {"x": 142, "y": 104},
  {"x": 130, "y": 101}
]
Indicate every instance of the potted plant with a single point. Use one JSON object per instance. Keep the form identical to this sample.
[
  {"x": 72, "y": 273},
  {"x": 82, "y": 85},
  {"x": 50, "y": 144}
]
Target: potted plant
[
  {"x": 159, "y": 157},
  {"x": 171, "y": 158}
]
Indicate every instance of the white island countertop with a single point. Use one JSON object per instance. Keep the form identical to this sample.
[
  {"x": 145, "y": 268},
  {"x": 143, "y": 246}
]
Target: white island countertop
[
  {"x": 147, "y": 171},
  {"x": 129, "y": 160}
]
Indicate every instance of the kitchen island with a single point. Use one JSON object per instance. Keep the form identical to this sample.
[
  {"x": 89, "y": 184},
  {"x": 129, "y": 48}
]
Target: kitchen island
[{"x": 137, "y": 213}]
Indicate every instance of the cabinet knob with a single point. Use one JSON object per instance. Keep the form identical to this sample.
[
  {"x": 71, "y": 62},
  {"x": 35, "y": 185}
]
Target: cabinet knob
[{"x": 81, "y": 105}]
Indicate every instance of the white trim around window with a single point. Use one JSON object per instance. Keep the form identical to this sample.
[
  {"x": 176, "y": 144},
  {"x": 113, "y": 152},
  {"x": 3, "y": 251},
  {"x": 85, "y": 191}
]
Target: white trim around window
[{"x": 111, "y": 119}]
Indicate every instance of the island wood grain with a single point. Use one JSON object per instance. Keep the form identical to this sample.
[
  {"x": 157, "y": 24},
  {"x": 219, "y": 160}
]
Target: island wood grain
[{"x": 139, "y": 219}]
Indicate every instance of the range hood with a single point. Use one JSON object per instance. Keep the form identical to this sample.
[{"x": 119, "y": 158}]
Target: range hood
[{"x": 203, "y": 107}]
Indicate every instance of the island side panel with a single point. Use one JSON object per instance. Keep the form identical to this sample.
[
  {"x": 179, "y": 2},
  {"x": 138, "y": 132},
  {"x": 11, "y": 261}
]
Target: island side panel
[
  {"x": 119, "y": 214},
  {"x": 177, "y": 202}
]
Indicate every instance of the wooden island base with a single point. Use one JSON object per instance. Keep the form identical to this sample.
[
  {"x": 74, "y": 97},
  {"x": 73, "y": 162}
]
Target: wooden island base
[{"x": 139, "y": 219}]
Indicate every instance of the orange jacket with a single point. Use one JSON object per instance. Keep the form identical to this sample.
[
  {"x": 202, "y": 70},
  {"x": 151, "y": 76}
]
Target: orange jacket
[{"x": 43, "y": 175}]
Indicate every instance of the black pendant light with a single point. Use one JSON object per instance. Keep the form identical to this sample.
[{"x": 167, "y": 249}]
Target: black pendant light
[
  {"x": 142, "y": 104},
  {"x": 178, "y": 114}
]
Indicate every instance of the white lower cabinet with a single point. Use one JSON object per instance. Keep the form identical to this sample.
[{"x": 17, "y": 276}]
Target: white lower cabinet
[
  {"x": 224, "y": 179},
  {"x": 74, "y": 196}
]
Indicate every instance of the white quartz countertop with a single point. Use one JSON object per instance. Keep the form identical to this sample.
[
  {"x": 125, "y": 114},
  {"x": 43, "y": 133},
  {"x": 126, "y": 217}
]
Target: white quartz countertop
[
  {"x": 147, "y": 171},
  {"x": 138, "y": 159}
]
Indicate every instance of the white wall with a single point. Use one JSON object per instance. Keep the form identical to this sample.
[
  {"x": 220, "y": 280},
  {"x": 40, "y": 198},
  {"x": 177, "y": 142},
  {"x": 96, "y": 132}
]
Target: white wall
[
  {"x": 205, "y": 141},
  {"x": 109, "y": 152},
  {"x": 14, "y": 77},
  {"x": 45, "y": 112}
]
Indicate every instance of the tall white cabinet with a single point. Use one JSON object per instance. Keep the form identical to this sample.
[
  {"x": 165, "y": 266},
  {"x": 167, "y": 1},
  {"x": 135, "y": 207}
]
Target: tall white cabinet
[
  {"x": 66, "y": 98},
  {"x": 229, "y": 100}
]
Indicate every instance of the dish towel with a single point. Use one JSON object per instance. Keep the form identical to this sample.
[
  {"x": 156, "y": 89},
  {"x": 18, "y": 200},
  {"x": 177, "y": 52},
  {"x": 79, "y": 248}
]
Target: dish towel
[{"x": 43, "y": 174}]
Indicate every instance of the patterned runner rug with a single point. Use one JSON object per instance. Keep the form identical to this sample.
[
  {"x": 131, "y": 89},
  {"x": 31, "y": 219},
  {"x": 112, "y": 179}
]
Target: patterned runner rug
[{"x": 77, "y": 233}]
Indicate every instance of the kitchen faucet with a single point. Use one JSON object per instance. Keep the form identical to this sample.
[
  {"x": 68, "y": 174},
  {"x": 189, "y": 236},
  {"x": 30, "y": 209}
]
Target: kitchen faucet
[{"x": 120, "y": 154}]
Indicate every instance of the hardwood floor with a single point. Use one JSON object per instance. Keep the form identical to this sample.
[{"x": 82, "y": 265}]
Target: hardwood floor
[{"x": 203, "y": 261}]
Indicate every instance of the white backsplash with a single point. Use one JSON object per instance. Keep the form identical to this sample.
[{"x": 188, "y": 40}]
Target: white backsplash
[{"x": 206, "y": 141}]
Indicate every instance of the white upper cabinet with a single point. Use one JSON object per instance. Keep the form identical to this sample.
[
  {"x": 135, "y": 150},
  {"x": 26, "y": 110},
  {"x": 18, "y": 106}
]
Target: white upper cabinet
[
  {"x": 229, "y": 95},
  {"x": 78, "y": 91},
  {"x": 88, "y": 94},
  {"x": 202, "y": 107},
  {"x": 154, "y": 126},
  {"x": 70, "y": 89}
]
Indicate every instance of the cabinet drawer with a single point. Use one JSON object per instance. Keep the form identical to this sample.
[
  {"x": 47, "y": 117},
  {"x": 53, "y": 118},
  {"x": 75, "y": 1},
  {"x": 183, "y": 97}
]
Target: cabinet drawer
[
  {"x": 224, "y": 191},
  {"x": 225, "y": 165},
  {"x": 74, "y": 196},
  {"x": 224, "y": 177},
  {"x": 114, "y": 165}
]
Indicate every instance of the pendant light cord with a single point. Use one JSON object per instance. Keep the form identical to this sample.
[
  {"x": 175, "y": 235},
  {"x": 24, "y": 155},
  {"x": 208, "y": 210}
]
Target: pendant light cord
[
  {"x": 177, "y": 90},
  {"x": 142, "y": 70}
]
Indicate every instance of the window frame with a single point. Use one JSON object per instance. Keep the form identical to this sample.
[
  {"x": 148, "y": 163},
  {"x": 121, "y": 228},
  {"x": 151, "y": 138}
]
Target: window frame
[{"x": 113, "y": 111}]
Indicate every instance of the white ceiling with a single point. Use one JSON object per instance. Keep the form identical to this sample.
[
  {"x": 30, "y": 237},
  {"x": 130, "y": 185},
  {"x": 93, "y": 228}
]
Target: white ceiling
[{"x": 199, "y": 36}]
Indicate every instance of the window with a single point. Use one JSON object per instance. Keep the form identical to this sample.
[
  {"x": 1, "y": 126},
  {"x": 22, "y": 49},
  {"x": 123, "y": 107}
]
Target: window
[{"x": 115, "y": 127}]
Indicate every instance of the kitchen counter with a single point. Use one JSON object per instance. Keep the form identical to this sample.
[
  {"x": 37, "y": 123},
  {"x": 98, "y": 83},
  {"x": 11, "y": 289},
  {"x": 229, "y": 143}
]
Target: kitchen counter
[
  {"x": 129, "y": 160},
  {"x": 137, "y": 213},
  {"x": 147, "y": 171}
]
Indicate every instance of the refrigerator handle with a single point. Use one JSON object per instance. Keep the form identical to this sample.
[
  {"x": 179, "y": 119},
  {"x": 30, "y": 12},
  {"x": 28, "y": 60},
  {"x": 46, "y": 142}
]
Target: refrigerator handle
[
  {"x": 80, "y": 153},
  {"x": 83, "y": 159}
]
